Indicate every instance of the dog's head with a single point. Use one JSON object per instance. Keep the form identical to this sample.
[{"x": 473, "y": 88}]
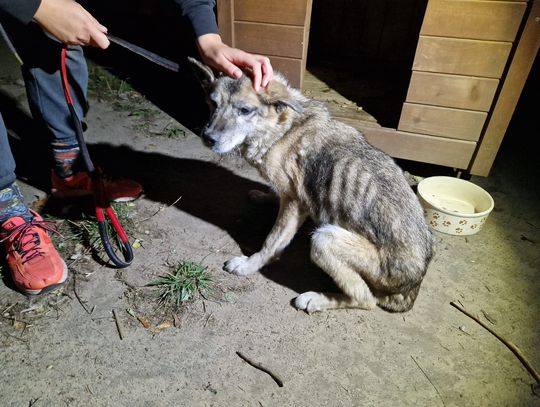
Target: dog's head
[{"x": 239, "y": 114}]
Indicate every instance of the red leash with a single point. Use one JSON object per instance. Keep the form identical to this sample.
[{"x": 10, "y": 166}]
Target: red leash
[{"x": 101, "y": 201}]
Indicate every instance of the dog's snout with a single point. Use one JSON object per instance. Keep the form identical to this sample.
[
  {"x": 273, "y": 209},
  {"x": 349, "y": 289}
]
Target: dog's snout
[{"x": 208, "y": 140}]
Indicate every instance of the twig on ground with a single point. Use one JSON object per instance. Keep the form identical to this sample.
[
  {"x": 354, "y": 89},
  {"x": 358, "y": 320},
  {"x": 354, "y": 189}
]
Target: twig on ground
[
  {"x": 257, "y": 365},
  {"x": 118, "y": 325},
  {"x": 79, "y": 298},
  {"x": 429, "y": 380},
  {"x": 506, "y": 342},
  {"x": 161, "y": 209},
  {"x": 9, "y": 307},
  {"x": 16, "y": 337}
]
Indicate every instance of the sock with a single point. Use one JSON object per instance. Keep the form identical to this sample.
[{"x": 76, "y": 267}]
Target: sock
[
  {"x": 65, "y": 159},
  {"x": 12, "y": 204}
]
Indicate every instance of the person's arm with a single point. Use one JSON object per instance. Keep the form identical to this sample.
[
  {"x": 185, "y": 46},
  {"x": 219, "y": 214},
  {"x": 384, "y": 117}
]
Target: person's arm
[
  {"x": 66, "y": 20},
  {"x": 20, "y": 10},
  {"x": 215, "y": 53}
]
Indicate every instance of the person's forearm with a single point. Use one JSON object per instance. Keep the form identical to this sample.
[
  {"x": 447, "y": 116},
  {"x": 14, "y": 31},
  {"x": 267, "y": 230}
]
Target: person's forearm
[
  {"x": 200, "y": 14},
  {"x": 20, "y": 10}
]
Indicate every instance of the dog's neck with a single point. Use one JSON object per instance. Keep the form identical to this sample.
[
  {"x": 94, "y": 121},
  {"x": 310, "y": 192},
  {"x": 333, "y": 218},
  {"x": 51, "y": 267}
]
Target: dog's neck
[{"x": 255, "y": 149}]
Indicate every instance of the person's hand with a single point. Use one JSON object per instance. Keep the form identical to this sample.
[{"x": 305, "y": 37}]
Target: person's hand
[
  {"x": 70, "y": 23},
  {"x": 231, "y": 61}
]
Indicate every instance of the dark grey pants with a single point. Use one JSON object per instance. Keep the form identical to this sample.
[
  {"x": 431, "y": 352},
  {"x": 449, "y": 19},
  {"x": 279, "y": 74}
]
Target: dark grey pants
[{"x": 41, "y": 72}]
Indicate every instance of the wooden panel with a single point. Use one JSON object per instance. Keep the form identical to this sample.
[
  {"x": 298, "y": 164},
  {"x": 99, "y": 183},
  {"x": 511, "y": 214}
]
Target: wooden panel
[
  {"x": 462, "y": 92},
  {"x": 419, "y": 147},
  {"x": 225, "y": 21},
  {"x": 516, "y": 77},
  {"x": 291, "y": 68},
  {"x": 268, "y": 39},
  {"x": 483, "y": 20},
  {"x": 287, "y": 12},
  {"x": 442, "y": 121},
  {"x": 461, "y": 56}
]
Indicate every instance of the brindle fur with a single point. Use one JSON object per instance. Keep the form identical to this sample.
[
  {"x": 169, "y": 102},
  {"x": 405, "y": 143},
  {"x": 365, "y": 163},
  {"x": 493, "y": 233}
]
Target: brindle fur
[{"x": 370, "y": 236}]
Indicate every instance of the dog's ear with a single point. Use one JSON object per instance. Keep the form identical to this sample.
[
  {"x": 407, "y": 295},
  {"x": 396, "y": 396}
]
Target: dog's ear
[
  {"x": 277, "y": 94},
  {"x": 203, "y": 73}
]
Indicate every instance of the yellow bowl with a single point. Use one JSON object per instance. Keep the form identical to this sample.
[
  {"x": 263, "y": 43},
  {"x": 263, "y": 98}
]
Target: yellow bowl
[{"x": 453, "y": 205}]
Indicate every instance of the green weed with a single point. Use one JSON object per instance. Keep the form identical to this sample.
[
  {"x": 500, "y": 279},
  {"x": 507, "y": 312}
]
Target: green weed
[{"x": 182, "y": 284}]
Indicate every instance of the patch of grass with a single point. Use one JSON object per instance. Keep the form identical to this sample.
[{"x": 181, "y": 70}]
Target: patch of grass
[
  {"x": 106, "y": 86},
  {"x": 183, "y": 283},
  {"x": 173, "y": 132},
  {"x": 86, "y": 230}
]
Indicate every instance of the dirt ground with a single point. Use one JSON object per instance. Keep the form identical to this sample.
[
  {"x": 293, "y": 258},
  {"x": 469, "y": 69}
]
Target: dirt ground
[{"x": 65, "y": 349}]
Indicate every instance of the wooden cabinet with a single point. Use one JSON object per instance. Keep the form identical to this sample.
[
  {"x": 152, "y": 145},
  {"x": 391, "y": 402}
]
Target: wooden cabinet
[{"x": 471, "y": 62}]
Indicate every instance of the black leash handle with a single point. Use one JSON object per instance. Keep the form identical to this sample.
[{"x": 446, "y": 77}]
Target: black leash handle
[{"x": 101, "y": 201}]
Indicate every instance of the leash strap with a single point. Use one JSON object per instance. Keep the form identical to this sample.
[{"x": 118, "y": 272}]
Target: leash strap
[
  {"x": 156, "y": 59},
  {"x": 101, "y": 201}
]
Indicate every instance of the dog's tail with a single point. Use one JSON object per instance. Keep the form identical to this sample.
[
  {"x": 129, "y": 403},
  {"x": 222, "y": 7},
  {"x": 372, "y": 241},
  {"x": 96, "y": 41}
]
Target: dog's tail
[{"x": 400, "y": 302}]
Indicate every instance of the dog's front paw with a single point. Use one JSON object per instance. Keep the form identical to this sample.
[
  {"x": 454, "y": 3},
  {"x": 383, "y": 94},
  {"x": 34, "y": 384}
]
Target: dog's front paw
[
  {"x": 310, "y": 302},
  {"x": 240, "y": 266}
]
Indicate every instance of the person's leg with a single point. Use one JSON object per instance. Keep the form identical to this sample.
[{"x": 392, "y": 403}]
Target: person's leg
[
  {"x": 41, "y": 57},
  {"x": 34, "y": 263},
  {"x": 41, "y": 72},
  {"x": 11, "y": 200}
]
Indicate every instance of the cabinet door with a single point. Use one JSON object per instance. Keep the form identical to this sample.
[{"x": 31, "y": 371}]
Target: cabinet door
[{"x": 278, "y": 29}]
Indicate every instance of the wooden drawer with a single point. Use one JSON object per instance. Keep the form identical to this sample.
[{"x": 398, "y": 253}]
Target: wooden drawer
[
  {"x": 442, "y": 121},
  {"x": 270, "y": 40},
  {"x": 461, "y": 56},
  {"x": 286, "y": 12},
  {"x": 482, "y": 20},
  {"x": 462, "y": 92}
]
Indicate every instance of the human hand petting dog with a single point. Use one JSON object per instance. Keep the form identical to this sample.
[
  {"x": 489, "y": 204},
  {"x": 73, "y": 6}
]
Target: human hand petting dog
[
  {"x": 231, "y": 61},
  {"x": 70, "y": 23}
]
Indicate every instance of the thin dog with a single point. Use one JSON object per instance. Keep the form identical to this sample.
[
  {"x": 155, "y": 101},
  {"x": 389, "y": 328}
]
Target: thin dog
[{"x": 370, "y": 237}]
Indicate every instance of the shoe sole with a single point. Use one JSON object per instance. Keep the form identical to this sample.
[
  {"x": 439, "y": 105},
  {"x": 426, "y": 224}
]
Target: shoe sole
[{"x": 51, "y": 287}]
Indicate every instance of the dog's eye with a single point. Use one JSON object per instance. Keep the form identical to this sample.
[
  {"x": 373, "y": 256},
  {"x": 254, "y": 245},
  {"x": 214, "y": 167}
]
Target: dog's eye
[{"x": 244, "y": 111}]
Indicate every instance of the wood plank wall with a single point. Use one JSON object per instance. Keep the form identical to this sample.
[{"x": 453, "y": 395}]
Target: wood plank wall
[
  {"x": 278, "y": 29},
  {"x": 461, "y": 56}
]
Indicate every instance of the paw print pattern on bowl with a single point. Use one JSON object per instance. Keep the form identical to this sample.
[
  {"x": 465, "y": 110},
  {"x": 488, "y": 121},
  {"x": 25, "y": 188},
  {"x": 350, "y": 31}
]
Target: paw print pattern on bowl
[{"x": 454, "y": 206}]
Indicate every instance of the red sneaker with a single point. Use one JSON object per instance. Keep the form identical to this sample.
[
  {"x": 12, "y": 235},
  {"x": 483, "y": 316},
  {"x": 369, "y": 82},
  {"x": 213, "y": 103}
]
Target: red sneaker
[
  {"x": 80, "y": 184},
  {"x": 35, "y": 265}
]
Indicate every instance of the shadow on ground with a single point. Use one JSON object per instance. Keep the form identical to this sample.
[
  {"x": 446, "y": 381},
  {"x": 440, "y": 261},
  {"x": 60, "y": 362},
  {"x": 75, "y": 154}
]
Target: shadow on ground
[{"x": 209, "y": 192}]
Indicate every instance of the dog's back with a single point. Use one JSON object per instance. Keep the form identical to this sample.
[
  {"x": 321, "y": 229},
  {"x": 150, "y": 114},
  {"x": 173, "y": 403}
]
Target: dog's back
[{"x": 345, "y": 181}]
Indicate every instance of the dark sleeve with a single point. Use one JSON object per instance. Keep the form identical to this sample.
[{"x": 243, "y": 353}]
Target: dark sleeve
[
  {"x": 20, "y": 10},
  {"x": 200, "y": 14}
]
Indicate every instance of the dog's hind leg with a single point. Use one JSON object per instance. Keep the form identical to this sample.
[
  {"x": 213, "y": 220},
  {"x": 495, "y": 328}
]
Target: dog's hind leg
[{"x": 345, "y": 256}]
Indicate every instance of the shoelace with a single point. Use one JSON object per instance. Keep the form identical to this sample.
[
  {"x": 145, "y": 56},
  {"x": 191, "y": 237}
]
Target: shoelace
[{"x": 29, "y": 248}]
